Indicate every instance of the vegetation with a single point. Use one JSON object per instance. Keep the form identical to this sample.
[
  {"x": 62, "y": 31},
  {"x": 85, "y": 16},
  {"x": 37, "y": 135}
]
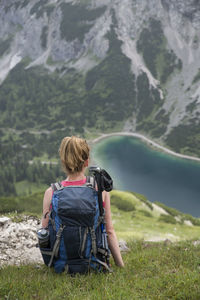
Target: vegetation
[
  {"x": 143, "y": 199},
  {"x": 37, "y": 6},
  {"x": 192, "y": 106},
  {"x": 145, "y": 107},
  {"x": 44, "y": 37},
  {"x": 28, "y": 96},
  {"x": 152, "y": 44},
  {"x": 5, "y": 45},
  {"x": 196, "y": 77},
  {"x": 146, "y": 213},
  {"x": 17, "y": 163},
  {"x": 127, "y": 204},
  {"x": 172, "y": 211},
  {"x": 152, "y": 271},
  {"x": 30, "y": 204},
  {"x": 185, "y": 138},
  {"x": 77, "y": 20},
  {"x": 148, "y": 103},
  {"x": 111, "y": 84},
  {"x": 182, "y": 217},
  {"x": 167, "y": 219},
  {"x": 40, "y": 7},
  {"x": 23, "y": 3}
]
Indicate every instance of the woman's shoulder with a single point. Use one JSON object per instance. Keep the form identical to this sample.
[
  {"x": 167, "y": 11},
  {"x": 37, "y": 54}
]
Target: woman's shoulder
[{"x": 48, "y": 192}]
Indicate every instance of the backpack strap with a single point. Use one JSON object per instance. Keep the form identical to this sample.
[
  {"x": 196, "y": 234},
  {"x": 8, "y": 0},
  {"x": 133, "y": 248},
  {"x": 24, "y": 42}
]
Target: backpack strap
[
  {"x": 56, "y": 186},
  {"x": 100, "y": 190},
  {"x": 56, "y": 246}
]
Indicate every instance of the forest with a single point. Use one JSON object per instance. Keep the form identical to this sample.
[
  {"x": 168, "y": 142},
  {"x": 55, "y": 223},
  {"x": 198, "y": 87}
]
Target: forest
[{"x": 21, "y": 159}]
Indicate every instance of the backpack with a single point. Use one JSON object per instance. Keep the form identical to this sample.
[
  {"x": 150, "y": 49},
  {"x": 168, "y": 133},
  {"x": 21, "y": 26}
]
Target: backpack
[{"x": 76, "y": 240}]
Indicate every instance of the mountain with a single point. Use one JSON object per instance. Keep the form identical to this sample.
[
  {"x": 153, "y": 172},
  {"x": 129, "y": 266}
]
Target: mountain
[{"x": 89, "y": 66}]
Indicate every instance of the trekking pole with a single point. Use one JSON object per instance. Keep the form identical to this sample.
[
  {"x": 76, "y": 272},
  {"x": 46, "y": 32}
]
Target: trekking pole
[{"x": 97, "y": 174}]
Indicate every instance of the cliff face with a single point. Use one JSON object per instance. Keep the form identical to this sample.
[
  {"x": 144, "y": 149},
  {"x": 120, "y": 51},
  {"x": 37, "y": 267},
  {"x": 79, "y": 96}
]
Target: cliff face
[{"x": 154, "y": 43}]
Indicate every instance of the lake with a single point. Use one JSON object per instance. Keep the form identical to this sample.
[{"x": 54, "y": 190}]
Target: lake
[{"x": 159, "y": 176}]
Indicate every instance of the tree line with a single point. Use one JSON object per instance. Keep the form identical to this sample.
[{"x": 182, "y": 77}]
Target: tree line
[{"x": 17, "y": 164}]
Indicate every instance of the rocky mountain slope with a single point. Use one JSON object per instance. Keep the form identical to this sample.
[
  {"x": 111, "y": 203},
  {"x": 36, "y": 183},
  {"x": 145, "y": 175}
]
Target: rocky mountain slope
[{"x": 83, "y": 64}]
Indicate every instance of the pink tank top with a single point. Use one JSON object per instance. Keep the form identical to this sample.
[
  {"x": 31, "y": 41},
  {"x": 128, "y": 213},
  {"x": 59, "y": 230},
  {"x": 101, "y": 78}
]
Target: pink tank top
[{"x": 78, "y": 182}]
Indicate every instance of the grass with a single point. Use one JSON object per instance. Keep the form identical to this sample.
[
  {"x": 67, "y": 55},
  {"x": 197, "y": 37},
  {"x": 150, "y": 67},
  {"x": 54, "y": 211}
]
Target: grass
[
  {"x": 183, "y": 217},
  {"x": 31, "y": 204},
  {"x": 26, "y": 188},
  {"x": 138, "y": 225},
  {"x": 147, "y": 222},
  {"x": 152, "y": 271},
  {"x": 128, "y": 203}
]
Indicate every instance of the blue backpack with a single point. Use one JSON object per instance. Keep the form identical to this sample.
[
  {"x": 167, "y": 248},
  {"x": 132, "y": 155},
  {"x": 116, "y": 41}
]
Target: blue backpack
[{"x": 76, "y": 238}]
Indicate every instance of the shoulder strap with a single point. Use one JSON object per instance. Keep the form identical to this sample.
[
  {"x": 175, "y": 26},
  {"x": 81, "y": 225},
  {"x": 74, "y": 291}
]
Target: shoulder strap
[
  {"x": 100, "y": 190},
  {"x": 92, "y": 181},
  {"x": 56, "y": 186}
]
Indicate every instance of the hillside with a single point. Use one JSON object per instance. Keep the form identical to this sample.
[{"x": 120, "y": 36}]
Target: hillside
[
  {"x": 162, "y": 259},
  {"x": 134, "y": 218}
]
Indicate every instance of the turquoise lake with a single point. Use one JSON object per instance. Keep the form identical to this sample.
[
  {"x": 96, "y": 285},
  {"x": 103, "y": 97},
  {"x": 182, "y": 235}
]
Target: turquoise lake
[{"x": 160, "y": 177}]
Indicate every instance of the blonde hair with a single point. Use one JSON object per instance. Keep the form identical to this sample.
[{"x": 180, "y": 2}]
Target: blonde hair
[{"x": 73, "y": 152}]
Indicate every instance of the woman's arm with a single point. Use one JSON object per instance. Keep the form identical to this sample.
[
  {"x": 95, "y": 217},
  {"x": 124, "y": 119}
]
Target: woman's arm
[
  {"x": 112, "y": 238},
  {"x": 46, "y": 207}
]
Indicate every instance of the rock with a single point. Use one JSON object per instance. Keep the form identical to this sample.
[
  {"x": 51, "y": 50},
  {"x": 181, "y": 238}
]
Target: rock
[
  {"x": 123, "y": 246},
  {"x": 196, "y": 243},
  {"x": 167, "y": 242},
  {"x": 17, "y": 242},
  {"x": 188, "y": 223},
  {"x": 4, "y": 220},
  {"x": 178, "y": 219}
]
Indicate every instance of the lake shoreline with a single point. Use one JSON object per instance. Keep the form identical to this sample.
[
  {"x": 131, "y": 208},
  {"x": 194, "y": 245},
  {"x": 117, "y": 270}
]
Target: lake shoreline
[{"x": 148, "y": 142}]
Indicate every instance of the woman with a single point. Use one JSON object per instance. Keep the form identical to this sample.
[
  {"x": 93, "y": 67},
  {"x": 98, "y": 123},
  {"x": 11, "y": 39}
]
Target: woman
[{"x": 74, "y": 155}]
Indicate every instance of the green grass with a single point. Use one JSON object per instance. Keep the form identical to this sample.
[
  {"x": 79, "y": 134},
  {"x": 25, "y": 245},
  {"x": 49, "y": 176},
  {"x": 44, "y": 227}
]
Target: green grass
[
  {"x": 152, "y": 271},
  {"x": 128, "y": 203},
  {"x": 167, "y": 219},
  {"x": 139, "y": 225},
  {"x": 31, "y": 203},
  {"x": 147, "y": 222},
  {"x": 183, "y": 217},
  {"x": 143, "y": 199},
  {"x": 27, "y": 188}
]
